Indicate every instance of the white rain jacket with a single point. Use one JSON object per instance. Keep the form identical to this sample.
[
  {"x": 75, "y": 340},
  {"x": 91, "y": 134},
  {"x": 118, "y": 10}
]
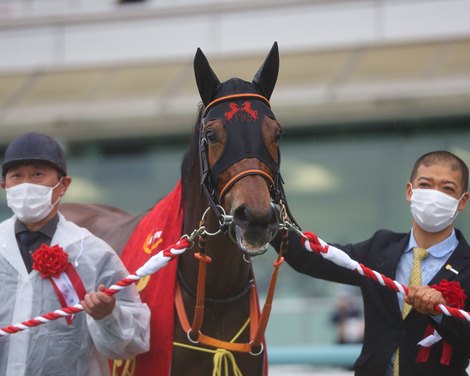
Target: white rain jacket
[{"x": 56, "y": 348}]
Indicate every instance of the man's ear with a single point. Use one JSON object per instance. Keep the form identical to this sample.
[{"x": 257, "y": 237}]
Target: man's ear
[
  {"x": 66, "y": 180},
  {"x": 409, "y": 192},
  {"x": 3, "y": 184},
  {"x": 463, "y": 202}
]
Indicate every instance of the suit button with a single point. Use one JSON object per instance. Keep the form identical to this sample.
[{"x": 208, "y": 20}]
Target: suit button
[{"x": 403, "y": 333}]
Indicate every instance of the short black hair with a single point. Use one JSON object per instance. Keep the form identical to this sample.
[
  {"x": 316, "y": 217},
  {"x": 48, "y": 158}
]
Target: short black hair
[{"x": 439, "y": 157}]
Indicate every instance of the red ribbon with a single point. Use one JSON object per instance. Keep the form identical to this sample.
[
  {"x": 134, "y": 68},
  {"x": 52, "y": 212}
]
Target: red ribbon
[
  {"x": 424, "y": 352},
  {"x": 454, "y": 296},
  {"x": 77, "y": 285}
]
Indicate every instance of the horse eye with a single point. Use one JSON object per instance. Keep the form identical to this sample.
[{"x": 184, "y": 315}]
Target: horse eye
[
  {"x": 211, "y": 136},
  {"x": 278, "y": 135}
]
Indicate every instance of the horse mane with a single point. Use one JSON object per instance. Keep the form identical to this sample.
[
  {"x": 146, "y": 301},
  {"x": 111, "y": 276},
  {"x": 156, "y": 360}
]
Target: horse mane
[{"x": 190, "y": 165}]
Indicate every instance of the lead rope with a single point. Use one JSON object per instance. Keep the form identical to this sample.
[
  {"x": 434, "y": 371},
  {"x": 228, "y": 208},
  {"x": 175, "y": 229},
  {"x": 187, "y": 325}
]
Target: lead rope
[
  {"x": 162, "y": 259},
  {"x": 152, "y": 265},
  {"x": 313, "y": 244}
]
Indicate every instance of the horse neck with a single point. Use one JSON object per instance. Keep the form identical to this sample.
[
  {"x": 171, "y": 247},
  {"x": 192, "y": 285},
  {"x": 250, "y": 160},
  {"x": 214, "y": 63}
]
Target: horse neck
[{"x": 227, "y": 274}]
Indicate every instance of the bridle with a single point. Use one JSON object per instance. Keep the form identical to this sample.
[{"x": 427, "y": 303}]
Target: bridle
[{"x": 251, "y": 108}]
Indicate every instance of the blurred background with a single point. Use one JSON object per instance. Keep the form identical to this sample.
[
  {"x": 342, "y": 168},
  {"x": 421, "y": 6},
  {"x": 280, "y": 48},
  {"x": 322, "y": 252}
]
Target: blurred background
[{"x": 365, "y": 87}]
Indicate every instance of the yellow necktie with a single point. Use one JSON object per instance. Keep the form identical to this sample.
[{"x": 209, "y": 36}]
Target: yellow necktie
[{"x": 419, "y": 254}]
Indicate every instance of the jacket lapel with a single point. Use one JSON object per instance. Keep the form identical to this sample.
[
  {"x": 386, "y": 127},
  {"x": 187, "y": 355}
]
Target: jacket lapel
[
  {"x": 459, "y": 260},
  {"x": 391, "y": 256}
]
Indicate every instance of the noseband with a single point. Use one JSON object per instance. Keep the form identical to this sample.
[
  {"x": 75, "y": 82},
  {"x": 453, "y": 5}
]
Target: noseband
[
  {"x": 240, "y": 176},
  {"x": 242, "y": 115}
]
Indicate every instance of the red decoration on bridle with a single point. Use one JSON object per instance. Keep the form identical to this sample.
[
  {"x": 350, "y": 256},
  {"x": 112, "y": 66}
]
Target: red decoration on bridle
[
  {"x": 242, "y": 111},
  {"x": 236, "y": 111},
  {"x": 234, "y": 97}
]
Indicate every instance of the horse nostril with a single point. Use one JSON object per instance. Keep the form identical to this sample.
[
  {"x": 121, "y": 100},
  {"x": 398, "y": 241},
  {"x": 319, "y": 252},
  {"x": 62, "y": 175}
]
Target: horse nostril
[
  {"x": 253, "y": 228},
  {"x": 245, "y": 216},
  {"x": 242, "y": 215}
]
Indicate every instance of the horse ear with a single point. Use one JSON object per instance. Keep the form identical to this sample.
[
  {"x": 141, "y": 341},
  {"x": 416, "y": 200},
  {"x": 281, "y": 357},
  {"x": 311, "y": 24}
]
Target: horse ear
[
  {"x": 266, "y": 77},
  {"x": 207, "y": 81}
]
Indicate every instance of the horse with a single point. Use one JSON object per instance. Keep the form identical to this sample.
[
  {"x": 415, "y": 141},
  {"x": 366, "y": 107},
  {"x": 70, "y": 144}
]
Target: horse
[{"x": 231, "y": 183}]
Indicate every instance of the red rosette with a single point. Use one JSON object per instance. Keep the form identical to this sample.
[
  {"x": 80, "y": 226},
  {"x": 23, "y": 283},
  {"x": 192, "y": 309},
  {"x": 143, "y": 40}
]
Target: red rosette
[
  {"x": 50, "y": 261},
  {"x": 452, "y": 292},
  {"x": 455, "y": 297}
]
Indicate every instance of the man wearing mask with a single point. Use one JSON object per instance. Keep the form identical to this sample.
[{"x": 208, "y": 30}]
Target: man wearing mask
[
  {"x": 433, "y": 259},
  {"x": 47, "y": 262}
]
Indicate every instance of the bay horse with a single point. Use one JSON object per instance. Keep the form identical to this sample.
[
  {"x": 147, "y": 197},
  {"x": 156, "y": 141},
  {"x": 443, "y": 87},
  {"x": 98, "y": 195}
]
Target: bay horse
[{"x": 230, "y": 177}]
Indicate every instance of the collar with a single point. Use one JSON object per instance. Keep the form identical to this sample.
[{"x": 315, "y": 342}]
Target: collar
[
  {"x": 439, "y": 250},
  {"x": 48, "y": 229}
]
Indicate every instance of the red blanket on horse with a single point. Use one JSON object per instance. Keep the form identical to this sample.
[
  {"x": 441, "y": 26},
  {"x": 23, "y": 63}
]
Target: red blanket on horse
[{"x": 160, "y": 228}]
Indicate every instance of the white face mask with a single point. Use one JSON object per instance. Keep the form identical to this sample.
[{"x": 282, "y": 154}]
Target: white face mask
[
  {"x": 433, "y": 210},
  {"x": 31, "y": 202}
]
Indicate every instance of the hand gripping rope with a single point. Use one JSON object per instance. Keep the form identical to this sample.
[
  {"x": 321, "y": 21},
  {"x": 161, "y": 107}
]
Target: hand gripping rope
[
  {"x": 313, "y": 244},
  {"x": 154, "y": 264}
]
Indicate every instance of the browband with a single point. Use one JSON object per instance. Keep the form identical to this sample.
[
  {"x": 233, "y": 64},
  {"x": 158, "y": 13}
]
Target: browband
[{"x": 235, "y": 96}]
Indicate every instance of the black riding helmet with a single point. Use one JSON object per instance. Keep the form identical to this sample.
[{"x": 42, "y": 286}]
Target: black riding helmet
[{"x": 34, "y": 147}]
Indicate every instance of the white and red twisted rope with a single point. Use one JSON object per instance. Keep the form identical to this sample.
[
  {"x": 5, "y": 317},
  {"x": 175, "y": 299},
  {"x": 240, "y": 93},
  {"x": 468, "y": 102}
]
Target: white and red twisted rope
[
  {"x": 152, "y": 265},
  {"x": 336, "y": 255}
]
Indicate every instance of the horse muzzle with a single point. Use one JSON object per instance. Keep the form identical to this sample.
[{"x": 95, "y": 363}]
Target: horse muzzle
[{"x": 253, "y": 230}]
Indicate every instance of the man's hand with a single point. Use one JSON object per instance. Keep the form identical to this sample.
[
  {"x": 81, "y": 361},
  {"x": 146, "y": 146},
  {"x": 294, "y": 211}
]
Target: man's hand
[
  {"x": 424, "y": 298},
  {"x": 98, "y": 304}
]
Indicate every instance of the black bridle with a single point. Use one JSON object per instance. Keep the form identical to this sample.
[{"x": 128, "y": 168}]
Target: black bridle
[{"x": 242, "y": 115}]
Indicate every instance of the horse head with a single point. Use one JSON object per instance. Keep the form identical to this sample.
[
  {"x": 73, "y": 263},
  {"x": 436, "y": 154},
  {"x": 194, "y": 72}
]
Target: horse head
[{"x": 239, "y": 153}]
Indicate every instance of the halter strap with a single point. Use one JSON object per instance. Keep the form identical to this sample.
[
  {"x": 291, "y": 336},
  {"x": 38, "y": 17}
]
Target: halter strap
[
  {"x": 230, "y": 299},
  {"x": 207, "y": 340},
  {"x": 241, "y": 175},
  {"x": 235, "y": 96},
  {"x": 258, "y": 323}
]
